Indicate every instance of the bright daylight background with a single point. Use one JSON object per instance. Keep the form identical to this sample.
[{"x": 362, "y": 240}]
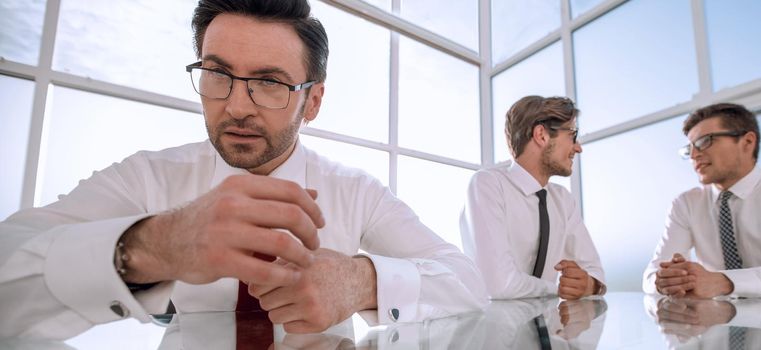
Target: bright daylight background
[{"x": 92, "y": 82}]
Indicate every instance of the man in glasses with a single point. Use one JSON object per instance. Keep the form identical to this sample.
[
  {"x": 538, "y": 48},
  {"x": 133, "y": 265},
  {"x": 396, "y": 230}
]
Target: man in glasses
[
  {"x": 721, "y": 220},
  {"x": 200, "y": 223},
  {"x": 522, "y": 230}
]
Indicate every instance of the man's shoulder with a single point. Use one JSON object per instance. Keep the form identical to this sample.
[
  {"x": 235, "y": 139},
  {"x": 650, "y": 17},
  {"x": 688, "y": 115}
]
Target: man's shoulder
[
  {"x": 695, "y": 194},
  {"x": 191, "y": 157},
  {"x": 184, "y": 153},
  {"x": 492, "y": 174}
]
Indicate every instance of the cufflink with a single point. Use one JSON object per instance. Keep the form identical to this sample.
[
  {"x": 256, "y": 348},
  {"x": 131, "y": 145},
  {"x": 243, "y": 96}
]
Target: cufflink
[
  {"x": 394, "y": 337},
  {"x": 393, "y": 314},
  {"x": 119, "y": 309}
]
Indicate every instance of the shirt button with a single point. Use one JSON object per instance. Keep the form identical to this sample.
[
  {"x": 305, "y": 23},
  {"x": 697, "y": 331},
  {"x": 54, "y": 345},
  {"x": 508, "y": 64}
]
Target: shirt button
[
  {"x": 393, "y": 314},
  {"x": 119, "y": 309}
]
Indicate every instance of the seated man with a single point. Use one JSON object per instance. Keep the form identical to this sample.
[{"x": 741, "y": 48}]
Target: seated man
[
  {"x": 720, "y": 219},
  {"x": 187, "y": 222},
  {"x": 521, "y": 229}
]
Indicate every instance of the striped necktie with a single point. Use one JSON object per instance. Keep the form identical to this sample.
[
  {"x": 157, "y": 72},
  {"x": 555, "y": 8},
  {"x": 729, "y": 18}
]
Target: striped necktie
[{"x": 732, "y": 259}]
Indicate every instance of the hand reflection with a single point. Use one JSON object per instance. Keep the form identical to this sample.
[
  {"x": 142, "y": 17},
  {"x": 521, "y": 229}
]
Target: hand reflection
[
  {"x": 319, "y": 341},
  {"x": 687, "y": 318},
  {"x": 576, "y": 316}
]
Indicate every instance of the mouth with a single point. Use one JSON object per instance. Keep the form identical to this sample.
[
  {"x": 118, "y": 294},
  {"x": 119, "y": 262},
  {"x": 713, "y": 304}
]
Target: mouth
[
  {"x": 700, "y": 166},
  {"x": 242, "y": 135}
]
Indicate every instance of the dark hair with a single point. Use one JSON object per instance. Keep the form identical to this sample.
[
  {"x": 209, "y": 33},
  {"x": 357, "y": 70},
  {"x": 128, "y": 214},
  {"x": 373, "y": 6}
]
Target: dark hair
[
  {"x": 529, "y": 111},
  {"x": 733, "y": 117},
  {"x": 293, "y": 12}
]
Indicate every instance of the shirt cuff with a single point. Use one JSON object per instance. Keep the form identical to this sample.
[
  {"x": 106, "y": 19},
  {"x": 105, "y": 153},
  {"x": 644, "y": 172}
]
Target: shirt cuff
[
  {"x": 746, "y": 282},
  {"x": 79, "y": 271},
  {"x": 747, "y": 311},
  {"x": 398, "y": 285}
]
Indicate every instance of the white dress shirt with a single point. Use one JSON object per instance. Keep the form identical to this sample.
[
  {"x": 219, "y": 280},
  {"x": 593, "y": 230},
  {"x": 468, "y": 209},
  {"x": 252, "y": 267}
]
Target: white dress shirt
[
  {"x": 500, "y": 231},
  {"x": 57, "y": 276},
  {"x": 693, "y": 222}
]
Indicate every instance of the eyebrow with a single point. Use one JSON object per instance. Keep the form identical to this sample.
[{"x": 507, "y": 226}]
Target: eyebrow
[{"x": 264, "y": 70}]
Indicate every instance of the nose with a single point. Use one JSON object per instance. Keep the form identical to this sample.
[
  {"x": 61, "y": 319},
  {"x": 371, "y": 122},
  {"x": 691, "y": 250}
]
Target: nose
[
  {"x": 239, "y": 104},
  {"x": 694, "y": 153},
  {"x": 577, "y": 147}
]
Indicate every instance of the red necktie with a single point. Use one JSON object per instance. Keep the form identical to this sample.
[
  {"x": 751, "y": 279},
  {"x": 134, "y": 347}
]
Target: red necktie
[
  {"x": 253, "y": 328},
  {"x": 245, "y": 301}
]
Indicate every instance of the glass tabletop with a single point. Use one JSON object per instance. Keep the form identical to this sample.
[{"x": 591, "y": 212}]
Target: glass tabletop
[{"x": 619, "y": 320}]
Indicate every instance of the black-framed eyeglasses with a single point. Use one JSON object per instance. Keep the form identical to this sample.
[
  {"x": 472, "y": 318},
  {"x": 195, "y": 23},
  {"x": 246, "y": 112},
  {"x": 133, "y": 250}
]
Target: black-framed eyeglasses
[
  {"x": 548, "y": 123},
  {"x": 706, "y": 141},
  {"x": 216, "y": 84},
  {"x": 574, "y": 132}
]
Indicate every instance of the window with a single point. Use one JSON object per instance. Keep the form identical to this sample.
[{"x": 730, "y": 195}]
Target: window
[
  {"x": 625, "y": 69},
  {"x": 733, "y": 32},
  {"x": 541, "y": 74},
  {"x": 21, "y": 21},
  {"x": 436, "y": 192},
  {"x": 628, "y": 183},
  {"x": 357, "y": 88},
  {"x": 87, "y": 132},
  {"x": 438, "y": 103},
  {"x": 14, "y": 138},
  {"x": 373, "y": 161},
  {"x": 579, "y": 7},
  {"x": 454, "y": 20},
  {"x": 516, "y": 24},
  {"x": 142, "y": 44}
]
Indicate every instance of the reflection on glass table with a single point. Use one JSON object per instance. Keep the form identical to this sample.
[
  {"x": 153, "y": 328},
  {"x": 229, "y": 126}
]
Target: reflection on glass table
[
  {"x": 528, "y": 323},
  {"x": 707, "y": 323},
  {"x": 617, "y": 321}
]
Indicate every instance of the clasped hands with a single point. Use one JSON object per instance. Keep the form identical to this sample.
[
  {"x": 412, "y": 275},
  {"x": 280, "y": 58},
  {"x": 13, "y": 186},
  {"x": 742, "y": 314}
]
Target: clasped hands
[
  {"x": 575, "y": 282},
  {"x": 681, "y": 278},
  {"x": 307, "y": 289},
  {"x": 687, "y": 318},
  {"x": 576, "y": 317}
]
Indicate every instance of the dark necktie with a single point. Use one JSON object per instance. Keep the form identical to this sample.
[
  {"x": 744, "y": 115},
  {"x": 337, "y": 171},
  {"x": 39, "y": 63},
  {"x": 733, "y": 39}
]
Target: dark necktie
[
  {"x": 544, "y": 335},
  {"x": 732, "y": 259},
  {"x": 541, "y": 256},
  {"x": 245, "y": 301},
  {"x": 544, "y": 233},
  {"x": 737, "y": 338},
  {"x": 253, "y": 328},
  {"x": 253, "y": 331}
]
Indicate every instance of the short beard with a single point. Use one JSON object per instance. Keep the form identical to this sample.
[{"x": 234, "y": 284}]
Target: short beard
[
  {"x": 551, "y": 167},
  {"x": 243, "y": 155}
]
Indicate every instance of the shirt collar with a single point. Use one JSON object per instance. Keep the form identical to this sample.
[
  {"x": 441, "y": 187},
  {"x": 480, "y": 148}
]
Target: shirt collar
[
  {"x": 522, "y": 179},
  {"x": 742, "y": 188},
  {"x": 293, "y": 169}
]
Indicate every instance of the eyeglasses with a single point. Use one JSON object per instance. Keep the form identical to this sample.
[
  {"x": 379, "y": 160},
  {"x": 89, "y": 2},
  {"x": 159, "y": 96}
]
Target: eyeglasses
[
  {"x": 218, "y": 85},
  {"x": 705, "y": 141},
  {"x": 574, "y": 132}
]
